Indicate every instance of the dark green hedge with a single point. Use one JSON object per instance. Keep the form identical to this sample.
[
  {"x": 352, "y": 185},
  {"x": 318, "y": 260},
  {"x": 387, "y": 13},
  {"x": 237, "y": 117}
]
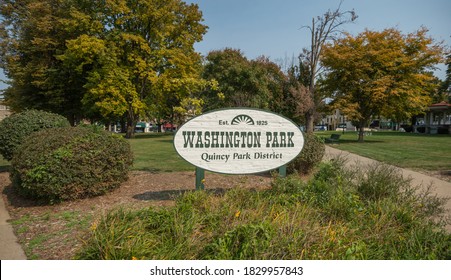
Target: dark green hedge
[
  {"x": 14, "y": 129},
  {"x": 310, "y": 156},
  {"x": 70, "y": 163}
]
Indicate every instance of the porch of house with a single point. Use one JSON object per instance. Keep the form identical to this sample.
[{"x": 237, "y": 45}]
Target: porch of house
[{"x": 436, "y": 120}]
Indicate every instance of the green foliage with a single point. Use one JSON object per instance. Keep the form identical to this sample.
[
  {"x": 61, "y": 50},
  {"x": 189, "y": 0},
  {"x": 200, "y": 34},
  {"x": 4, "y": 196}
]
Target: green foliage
[
  {"x": 32, "y": 33},
  {"x": 389, "y": 183},
  {"x": 242, "y": 82},
  {"x": 328, "y": 217},
  {"x": 101, "y": 59},
  {"x": 15, "y": 128},
  {"x": 248, "y": 241},
  {"x": 144, "y": 57},
  {"x": 70, "y": 163},
  {"x": 311, "y": 155},
  {"x": 155, "y": 152}
]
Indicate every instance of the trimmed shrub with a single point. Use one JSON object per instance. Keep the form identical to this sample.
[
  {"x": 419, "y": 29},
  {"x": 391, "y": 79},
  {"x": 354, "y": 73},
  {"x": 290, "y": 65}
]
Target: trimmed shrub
[
  {"x": 14, "y": 129},
  {"x": 70, "y": 163},
  {"x": 310, "y": 156}
]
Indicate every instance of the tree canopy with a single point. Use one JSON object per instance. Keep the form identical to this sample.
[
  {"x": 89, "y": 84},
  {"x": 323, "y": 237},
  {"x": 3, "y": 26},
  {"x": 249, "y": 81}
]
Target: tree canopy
[
  {"x": 241, "y": 82},
  {"x": 32, "y": 32},
  {"x": 110, "y": 58},
  {"x": 381, "y": 73},
  {"x": 444, "y": 93}
]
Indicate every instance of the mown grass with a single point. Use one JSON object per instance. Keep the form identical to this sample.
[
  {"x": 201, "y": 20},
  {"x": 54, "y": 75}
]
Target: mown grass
[
  {"x": 407, "y": 150},
  {"x": 155, "y": 152},
  {"x": 333, "y": 216}
]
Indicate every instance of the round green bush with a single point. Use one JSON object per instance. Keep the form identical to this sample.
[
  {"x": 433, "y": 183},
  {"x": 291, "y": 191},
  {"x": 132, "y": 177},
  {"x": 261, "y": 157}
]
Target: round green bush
[
  {"x": 15, "y": 128},
  {"x": 70, "y": 163},
  {"x": 310, "y": 156}
]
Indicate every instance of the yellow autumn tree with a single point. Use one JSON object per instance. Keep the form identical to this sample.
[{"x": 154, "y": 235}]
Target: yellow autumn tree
[
  {"x": 110, "y": 59},
  {"x": 381, "y": 73},
  {"x": 140, "y": 58}
]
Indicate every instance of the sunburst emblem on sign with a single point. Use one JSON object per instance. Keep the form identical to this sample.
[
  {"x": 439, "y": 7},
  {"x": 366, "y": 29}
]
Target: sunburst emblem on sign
[{"x": 242, "y": 119}]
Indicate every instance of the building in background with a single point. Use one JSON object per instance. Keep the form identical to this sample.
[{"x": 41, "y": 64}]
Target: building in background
[
  {"x": 336, "y": 121},
  {"x": 436, "y": 120},
  {"x": 4, "y": 111}
]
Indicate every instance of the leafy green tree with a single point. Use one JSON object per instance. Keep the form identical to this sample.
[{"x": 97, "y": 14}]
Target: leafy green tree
[
  {"x": 273, "y": 82},
  {"x": 101, "y": 58},
  {"x": 381, "y": 73},
  {"x": 32, "y": 33},
  {"x": 144, "y": 53},
  {"x": 444, "y": 93},
  {"x": 241, "y": 82}
]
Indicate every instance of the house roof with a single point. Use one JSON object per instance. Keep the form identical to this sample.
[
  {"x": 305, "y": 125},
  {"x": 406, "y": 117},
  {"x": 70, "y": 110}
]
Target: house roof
[{"x": 440, "y": 106}]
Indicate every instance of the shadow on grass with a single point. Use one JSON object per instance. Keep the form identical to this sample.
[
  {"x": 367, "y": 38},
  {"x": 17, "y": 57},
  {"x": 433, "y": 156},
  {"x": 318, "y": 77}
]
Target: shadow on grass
[
  {"x": 152, "y": 135},
  {"x": 153, "y": 170},
  {"x": 165, "y": 140},
  {"x": 355, "y": 141},
  {"x": 148, "y": 169},
  {"x": 4, "y": 168}
]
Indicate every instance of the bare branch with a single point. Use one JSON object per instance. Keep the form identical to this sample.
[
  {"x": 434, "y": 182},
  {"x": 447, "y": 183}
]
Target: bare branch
[{"x": 323, "y": 28}]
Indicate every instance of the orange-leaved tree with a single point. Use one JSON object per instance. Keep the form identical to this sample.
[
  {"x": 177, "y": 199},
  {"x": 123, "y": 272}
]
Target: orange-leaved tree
[{"x": 381, "y": 73}]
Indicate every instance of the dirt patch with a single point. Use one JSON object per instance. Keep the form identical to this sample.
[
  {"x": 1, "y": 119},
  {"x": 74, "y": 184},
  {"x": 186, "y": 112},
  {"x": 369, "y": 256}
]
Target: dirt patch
[{"x": 58, "y": 231}]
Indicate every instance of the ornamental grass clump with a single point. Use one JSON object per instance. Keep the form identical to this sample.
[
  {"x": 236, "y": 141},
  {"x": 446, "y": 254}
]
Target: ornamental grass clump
[
  {"x": 70, "y": 163},
  {"x": 340, "y": 213},
  {"x": 17, "y": 127}
]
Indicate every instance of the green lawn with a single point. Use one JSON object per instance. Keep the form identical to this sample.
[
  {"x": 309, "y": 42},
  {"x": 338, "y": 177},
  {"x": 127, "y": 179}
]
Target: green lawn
[
  {"x": 152, "y": 151},
  {"x": 409, "y": 150},
  {"x": 155, "y": 152}
]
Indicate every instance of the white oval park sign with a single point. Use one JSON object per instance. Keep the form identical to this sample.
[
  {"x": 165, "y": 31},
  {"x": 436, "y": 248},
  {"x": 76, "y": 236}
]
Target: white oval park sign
[{"x": 239, "y": 141}]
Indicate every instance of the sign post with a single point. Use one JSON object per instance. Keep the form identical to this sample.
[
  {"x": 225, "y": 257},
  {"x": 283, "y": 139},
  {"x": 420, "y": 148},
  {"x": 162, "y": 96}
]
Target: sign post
[
  {"x": 200, "y": 178},
  {"x": 283, "y": 171},
  {"x": 238, "y": 141}
]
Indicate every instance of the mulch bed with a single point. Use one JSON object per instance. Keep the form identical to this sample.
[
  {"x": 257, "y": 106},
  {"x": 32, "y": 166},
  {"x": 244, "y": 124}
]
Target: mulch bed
[{"x": 45, "y": 233}]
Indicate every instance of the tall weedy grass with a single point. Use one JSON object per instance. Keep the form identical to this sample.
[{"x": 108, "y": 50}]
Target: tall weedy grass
[{"x": 341, "y": 213}]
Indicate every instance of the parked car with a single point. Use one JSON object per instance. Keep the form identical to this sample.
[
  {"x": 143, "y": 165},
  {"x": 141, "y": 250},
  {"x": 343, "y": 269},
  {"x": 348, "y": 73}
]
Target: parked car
[{"x": 321, "y": 128}]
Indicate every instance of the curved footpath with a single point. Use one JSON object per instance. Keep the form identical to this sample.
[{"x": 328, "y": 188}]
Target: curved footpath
[
  {"x": 11, "y": 250},
  {"x": 439, "y": 187}
]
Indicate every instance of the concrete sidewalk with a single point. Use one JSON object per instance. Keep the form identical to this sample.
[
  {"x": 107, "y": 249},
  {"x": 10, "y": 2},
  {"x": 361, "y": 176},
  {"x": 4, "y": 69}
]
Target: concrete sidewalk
[
  {"x": 9, "y": 248},
  {"x": 440, "y": 187}
]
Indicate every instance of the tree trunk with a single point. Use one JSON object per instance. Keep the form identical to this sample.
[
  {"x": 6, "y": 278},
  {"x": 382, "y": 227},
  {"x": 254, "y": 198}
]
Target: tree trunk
[
  {"x": 361, "y": 130},
  {"x": 310, "y": 122},
  {"x": 132, "y": 120},
  {"x": 130, "y": 130},
  {"x": 123, "y": 125}
]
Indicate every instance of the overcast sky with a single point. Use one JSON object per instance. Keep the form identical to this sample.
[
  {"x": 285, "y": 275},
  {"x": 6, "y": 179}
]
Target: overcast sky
[{"x": 273, "y": 27}]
